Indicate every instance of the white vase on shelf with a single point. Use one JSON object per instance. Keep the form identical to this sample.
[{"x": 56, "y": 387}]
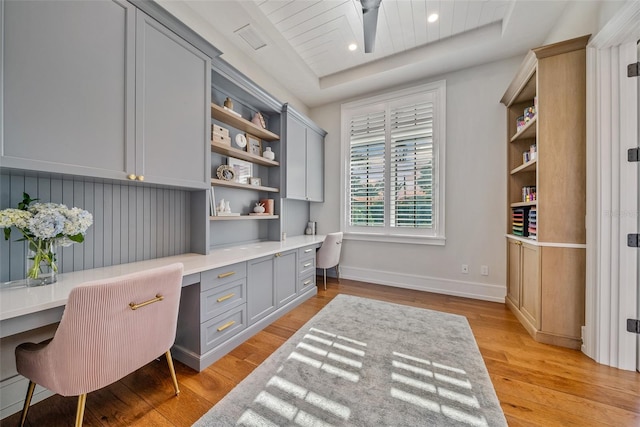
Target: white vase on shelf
[{"x": 268, "y": 154}]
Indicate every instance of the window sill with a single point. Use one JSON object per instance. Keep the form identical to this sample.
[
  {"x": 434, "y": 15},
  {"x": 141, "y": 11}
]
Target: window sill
[{"x": 397, "y": 238}]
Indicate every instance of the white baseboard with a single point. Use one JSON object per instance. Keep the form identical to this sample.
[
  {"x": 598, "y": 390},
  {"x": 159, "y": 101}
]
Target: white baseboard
[{"x": 475, "y": 290}]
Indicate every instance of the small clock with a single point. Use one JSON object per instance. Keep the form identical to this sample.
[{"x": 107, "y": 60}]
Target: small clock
[{"x": 241, "y": 140}]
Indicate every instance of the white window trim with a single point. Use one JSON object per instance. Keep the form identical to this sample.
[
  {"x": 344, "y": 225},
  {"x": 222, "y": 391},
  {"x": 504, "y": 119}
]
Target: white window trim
[{"x": 439, "y": 144}]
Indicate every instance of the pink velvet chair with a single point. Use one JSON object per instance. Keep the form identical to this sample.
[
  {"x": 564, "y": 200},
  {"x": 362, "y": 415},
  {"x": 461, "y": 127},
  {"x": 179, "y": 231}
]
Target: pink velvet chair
[
  {"x": 329, "y": 254},
  {"x": 109, "y": 329}
]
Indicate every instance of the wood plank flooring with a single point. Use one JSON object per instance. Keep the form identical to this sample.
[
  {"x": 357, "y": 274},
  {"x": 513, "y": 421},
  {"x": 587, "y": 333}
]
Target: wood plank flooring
[{"x": 537, "y": 384}]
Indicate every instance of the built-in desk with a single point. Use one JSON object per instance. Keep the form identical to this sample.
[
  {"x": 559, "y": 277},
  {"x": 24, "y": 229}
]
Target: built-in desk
[{"x": 24, "y": 309}]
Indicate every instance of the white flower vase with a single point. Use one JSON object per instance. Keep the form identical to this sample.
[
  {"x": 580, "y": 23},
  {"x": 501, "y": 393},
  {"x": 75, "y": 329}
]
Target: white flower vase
[
  {"x": 268, "y": 154},
  {"x": 41, "y": 263}
]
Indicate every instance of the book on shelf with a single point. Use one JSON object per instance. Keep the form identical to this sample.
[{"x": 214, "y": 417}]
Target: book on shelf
[{"x": 212, "y": 203}]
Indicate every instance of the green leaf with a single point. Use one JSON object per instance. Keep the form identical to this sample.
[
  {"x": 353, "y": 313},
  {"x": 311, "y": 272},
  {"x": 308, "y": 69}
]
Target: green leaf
[
  {"x": 7, "y": 233},
  {"x": 78, "y": 238}
]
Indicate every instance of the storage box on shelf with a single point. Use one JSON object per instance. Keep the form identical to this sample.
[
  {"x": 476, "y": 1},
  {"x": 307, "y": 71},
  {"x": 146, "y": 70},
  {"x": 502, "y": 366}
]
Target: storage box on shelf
[{"x": 546, "y": 228}]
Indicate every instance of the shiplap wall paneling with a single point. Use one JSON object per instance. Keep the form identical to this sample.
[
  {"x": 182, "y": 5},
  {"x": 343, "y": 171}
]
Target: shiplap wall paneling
[{"x": 130, "y": 222}]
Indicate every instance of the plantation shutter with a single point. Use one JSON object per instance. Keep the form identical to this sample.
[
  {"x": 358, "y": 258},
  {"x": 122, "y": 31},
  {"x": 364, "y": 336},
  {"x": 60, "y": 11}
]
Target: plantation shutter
[
  {"x": 367, "y": 169},
  {"x": 411, "y": 166}
]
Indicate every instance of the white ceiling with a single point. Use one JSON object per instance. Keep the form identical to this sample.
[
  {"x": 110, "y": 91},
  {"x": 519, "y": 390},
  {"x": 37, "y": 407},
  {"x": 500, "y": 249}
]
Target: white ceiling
[{"x": 304, "y": 42}]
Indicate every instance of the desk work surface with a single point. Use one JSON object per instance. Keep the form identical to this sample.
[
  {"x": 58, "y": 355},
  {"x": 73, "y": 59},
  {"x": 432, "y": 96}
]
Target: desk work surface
[{"x": 20, "y": 301}]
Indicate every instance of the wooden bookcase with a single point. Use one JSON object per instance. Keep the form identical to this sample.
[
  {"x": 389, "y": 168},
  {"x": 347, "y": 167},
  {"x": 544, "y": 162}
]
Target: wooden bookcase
[{"x": 546, "y": 275}]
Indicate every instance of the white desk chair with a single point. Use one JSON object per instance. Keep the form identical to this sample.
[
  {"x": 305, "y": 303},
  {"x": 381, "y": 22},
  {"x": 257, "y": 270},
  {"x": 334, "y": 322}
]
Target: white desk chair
[{"x": 329, "y": 255}]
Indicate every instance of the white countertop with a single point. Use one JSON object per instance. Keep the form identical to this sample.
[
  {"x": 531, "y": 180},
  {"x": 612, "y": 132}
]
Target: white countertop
[{"x": 20, "y": 301}]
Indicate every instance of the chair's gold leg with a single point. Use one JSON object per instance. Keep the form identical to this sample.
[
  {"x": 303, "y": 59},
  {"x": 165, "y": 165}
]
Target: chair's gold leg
[
  {"x": 173, "y": 371},
  {"x": 27, "y": 402},
  {"x": 82, "y": 399}
]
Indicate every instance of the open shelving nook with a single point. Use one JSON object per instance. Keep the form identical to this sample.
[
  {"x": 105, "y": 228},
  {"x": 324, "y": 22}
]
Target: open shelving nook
[{"x": 248, "y": 99}]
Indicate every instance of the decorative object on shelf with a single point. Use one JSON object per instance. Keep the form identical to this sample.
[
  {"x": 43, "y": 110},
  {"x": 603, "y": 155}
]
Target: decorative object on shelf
[
  {"x": 268, "y": 154},
  {"x": 44, "y": 226},
  {"x": 255, "y": 181},
  {"x": 220, "y": 135},
  {"x": 212, "y": 203},
  {"x": 533, "y": 151},
  {"x": 259, "y": 208},
  {"x": 258, "y": 120},
  {"x": 311, "y": 228},
  {"x": 241, "y": 140},
  {"x": 529, "y": 193},
  {"x": 222, "y": 206},
  {"x": 243, "y": 170},
  {"x": 529, "y": 113},
  {"x": 226, "y": 173},
  {"x": 268, "y": 205},
  {"x": 227, "y": 206},
  {"x": 228, "y": 103},
  {"x": 520, "y": 123},
  {"x": 254, "y": 145}
]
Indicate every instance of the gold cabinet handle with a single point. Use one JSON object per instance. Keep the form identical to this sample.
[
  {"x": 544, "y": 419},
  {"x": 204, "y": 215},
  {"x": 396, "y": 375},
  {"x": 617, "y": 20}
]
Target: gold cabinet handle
[
  {"x": 135, "y": 306},
  {"x": 227, "y": 274},
  {"x": 307, "y": 282},
  {"x": 140, "y": 178},
  {"x": 131, "y": 176},
  {"x": 306, "y": 251},
  {"x": 307, "y": 264},
  {"x": 278, "y": 254},
  {"x": 226, "y": 325},
  {"x": 226, "y": 297}
]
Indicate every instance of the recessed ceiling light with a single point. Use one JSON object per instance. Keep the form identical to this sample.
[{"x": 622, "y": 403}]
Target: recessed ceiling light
[
  {"x": 433, "y": 17},
  {"x": 353, "y": 47}
]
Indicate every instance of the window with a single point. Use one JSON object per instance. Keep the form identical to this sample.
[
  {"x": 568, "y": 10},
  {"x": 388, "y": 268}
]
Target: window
[{"x": 393, "y": 157}]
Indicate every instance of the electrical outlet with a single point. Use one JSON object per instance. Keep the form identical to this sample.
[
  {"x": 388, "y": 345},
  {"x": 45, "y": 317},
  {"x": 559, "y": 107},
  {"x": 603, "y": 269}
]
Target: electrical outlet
[
  {"x": 465, "y": 269},
  {"x": 484, "y": 270}
]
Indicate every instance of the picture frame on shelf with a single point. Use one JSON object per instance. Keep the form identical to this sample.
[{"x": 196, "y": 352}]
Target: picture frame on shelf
[
  {"x": 243, "y": 170},
  {"x": 255, "y": 181},
  {"x": 254, "y": 145},
  {"x": 226, "y": 173}
]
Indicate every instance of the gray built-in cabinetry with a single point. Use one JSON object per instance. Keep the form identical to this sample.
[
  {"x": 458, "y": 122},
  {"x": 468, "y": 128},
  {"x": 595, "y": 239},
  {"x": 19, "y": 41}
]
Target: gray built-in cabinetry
[
  {"x": 304, "y": 157},
  {"x": 100, "y": 89},
  {"x": 227, "y": 305}
]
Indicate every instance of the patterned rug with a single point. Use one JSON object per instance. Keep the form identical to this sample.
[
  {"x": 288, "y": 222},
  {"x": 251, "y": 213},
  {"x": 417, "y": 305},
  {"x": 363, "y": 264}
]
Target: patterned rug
[{"x": 361, "y": 362}]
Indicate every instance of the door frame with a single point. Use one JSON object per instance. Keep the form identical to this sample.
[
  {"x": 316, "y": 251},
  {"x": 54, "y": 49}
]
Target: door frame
[{"x": 612, "y": 192}]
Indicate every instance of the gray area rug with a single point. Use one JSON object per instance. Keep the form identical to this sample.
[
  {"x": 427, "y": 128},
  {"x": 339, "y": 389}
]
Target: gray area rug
[{"x": 361, "y": 362}]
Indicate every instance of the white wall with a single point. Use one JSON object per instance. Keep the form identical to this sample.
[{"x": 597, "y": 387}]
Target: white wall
[{"x": 475, "y": 195}]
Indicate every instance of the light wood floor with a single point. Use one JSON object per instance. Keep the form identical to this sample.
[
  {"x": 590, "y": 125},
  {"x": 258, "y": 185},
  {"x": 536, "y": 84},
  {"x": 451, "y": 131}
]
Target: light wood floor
[{"x": 537, "y": 384}]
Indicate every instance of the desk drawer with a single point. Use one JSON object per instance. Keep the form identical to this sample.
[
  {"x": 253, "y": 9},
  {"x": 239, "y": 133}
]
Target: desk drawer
[
  {"x": 306, "y": 282},
  {"x": 222, "y": 298},
  {"x": 222, "y": 275},
  {"x": 222, "y": 327},
  {"x": 305, "y": 266},
  {"x": 307, "y": 252}
]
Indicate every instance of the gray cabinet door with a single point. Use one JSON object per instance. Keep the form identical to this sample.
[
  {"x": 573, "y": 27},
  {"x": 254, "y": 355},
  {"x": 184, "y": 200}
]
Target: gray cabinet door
[
  {"x": 260, "y": 288},
  {"x": 315, "y": 166},
  {"x": 67, "y": 87},
  {"x": 172, "y": 106},
  {"x": 286, "y": 277},
  {"x": 296, "y": 155}
]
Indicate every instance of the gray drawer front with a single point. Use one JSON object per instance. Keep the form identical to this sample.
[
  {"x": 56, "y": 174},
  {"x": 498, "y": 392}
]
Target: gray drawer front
[
  {"x": 306, "y": 266},
  {"x": 222, "y": 298},
  {"x": 220, "y": 276},
  {"x": 220, "y": 328},
  {"x": 306, "y": 282},
  {"x": 307, "y": 252}
]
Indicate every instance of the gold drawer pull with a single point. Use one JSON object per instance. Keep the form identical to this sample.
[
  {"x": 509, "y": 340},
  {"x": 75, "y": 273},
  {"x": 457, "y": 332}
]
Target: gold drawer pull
[
  {"x": 306, "y": 251},
  {"x": 135, "y": 306},
  {"x": 278, "y": 255},
  {"x": 307, "y": 282},
  {"x": 307, "y": 264},
  {"x": 226, "y": 325},
  {"x": 226, "y": 297},
  {"x": 227, "y": 274}
]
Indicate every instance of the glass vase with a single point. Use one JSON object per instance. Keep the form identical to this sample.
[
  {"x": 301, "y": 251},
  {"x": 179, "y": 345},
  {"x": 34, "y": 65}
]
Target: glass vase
[{"x": 41, "y": 263}]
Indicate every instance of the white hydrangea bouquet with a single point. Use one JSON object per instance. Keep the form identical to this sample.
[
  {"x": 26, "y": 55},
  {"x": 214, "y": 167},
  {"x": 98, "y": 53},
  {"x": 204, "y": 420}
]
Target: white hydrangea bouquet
[{"x": 45, "y": 226}]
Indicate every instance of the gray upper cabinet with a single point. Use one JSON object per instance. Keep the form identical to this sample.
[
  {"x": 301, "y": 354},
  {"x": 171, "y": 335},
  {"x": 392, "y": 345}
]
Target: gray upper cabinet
[
  {"x": 304, "y": 166},
  {"x": 99, "y": 89},
  {"x": 172, "y": 107},
  {"x": 65, "y": 90}
]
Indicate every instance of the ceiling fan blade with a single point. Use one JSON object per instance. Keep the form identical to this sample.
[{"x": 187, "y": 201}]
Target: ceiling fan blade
[{"x": 370, "y": 23}]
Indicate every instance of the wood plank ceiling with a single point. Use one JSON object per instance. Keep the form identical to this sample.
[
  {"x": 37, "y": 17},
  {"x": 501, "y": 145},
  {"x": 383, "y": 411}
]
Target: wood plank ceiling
[{"x": 320, "y": 31}]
